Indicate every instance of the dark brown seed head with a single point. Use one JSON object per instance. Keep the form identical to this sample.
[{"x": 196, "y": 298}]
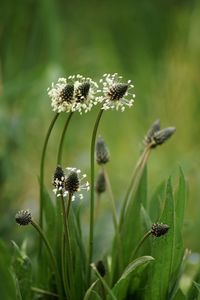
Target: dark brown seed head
[
  {"x": 67, "y": 93},
  {"x": 117, "y": 91},
  {"x": 82, "y": 92},
  {"x": 72, "y": 182},
  {"x": 100, "y": 183},
  {"x": 23, "y": 217},
  {"x": 101, "y": 268},
  {"x": 159, "y": 229},
  {"x": 102, "y": 153}
]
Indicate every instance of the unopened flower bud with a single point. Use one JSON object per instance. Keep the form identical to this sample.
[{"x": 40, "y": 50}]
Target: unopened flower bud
[
  {"x": 23, "y": 217},
  {"x": 101, "y": 268},
  {"x": 154, "y": 128},
  {"x": 163, "y": 135},
  {"x": 100, "y": 183},
  {"x": 159, "y": 229},
  {"x": 102, "y": 153}
]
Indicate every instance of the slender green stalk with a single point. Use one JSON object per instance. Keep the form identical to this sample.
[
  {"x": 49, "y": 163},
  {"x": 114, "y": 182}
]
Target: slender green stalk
[
  {"x": 60, "y": 148},
  {"x": 98, "y": 198},
  {"x": 42, "y": 171},
  {"x": 43, "y": 292},
  {"x": 112, "y": 201},
  {"x": 68, "y": 253},
  {"x": 110, "y": 292},
  {"x": 133, "y": 182},
  {"x": 91, "y": 234},
  {"x": 51, "y": 256},
  {"x": 147, "y": 234},
  {"x": 114, "y": 215},
  {"x": 63, "y": 267},
  {"x": 69, "y": 204}
]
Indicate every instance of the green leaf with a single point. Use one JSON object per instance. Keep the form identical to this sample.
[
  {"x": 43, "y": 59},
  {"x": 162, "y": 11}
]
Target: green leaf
[
  {"x": 121, "y": 287},
  {"x": 142, "y": 188},
  {"x": 90, "y": 290},
  {"x": 180, "y": 198},
  {"x": 179, "y": 295},
  {"x": 156, "y": 202},
  {"x": 7, "y": 284},
  {"x": 23, "y": 271},
  {"x": 163, "y": 250}
]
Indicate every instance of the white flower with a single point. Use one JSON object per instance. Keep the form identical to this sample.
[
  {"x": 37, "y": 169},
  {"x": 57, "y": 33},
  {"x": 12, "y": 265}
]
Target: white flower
[
  {"x": 76, "y": 93},
  {"x": 71, "y": 183},
  {"x": 116, "y": 93}
]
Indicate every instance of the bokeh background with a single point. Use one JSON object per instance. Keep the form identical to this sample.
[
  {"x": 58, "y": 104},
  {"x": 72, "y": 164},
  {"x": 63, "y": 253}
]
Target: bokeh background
[{"x": 154, "y": 43}]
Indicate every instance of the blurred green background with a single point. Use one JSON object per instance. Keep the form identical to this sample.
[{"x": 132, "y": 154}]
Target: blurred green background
[{"x": 154, "y": 43}]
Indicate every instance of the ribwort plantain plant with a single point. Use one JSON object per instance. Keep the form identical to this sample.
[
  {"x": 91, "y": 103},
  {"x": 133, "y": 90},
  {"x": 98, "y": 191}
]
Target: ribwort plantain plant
[{"x": 142, "y": 249}]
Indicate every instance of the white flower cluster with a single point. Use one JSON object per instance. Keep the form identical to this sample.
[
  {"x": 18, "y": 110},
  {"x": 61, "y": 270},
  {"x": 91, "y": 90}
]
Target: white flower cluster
[
  {"x": 79, "y": 93},
  {"x": 76, "y": 93},
  {"x": 116, "y": 94}
]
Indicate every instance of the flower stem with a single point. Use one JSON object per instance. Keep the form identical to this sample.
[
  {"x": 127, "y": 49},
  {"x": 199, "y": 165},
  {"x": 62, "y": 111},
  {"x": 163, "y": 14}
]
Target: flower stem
[
  {"x": 68, "y": 204},
  {"x": 63, "y": 266},
  {"x": 91, "y": 234},
  {"x": 109, "y": 290},
  {"x": 69, "y": 251},
  {"x": 42, "y": 173},
  {"x": 60, "y": 149},
  {"x": 110, "y": 192},
  {"x": 137, "y": 172},
  {"x": 147, "y": 234},
  {"x": 115, "y": 221},
  {"x": 51, "y": 256}
]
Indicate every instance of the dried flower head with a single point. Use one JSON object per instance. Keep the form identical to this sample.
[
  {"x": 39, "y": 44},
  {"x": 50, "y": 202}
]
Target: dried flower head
[
  {"x": 101, "y": 268},
  {"x": 157, "y": 136},
  {"x": 159, "y": 229},
  {"x": 75, "y": 93},
  {"x": 100, "y": 183},
  {"x": 69, "y": 183},
  {"x": 59, "y": 180},
  {"x": 116, "y": 93},
  {"x": 102, "y": 153},
  {"x": 23, "y": 217}
]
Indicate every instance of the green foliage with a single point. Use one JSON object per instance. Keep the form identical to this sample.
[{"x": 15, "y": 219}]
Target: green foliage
[
  {"x": 136, "y": 267},
  {"x": 7, "y": 284}
]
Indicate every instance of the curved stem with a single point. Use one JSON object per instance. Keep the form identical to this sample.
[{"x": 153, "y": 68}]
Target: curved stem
[
  {"x": 60, "y": 149},
  {"x": 133, "y": 183},
  {"x": 140, "y": 244},
  {"x": 92, "y": 192},
  {"x": 51, "y": 256},
  {"x": 42, "y": 172}
]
